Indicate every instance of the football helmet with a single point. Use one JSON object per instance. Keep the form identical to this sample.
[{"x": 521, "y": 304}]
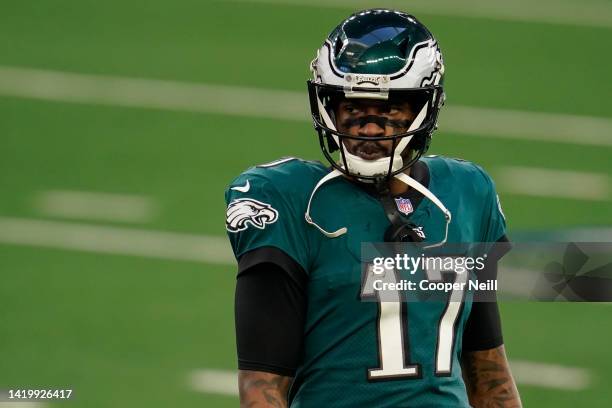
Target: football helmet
[{"x": 377, "y": 54}]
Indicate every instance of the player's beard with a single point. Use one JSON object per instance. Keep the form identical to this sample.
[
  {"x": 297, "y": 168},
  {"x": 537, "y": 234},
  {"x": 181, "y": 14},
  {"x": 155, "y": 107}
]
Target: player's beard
[{"x": 369, "y": 150}]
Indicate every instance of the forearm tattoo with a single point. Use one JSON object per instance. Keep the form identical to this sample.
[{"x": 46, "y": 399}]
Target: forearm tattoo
[
  {"x": 261, "y": 390},
  {"x": 488, "y": 379}
]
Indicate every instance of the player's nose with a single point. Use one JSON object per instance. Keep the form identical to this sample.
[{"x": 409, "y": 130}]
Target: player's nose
[{"x": 372, "y": 129}]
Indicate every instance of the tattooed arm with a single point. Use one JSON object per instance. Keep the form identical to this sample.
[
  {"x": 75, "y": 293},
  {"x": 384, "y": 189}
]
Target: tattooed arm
[
  {"x": 259, "y": 389},
  {"x": 488, "y": 379}
]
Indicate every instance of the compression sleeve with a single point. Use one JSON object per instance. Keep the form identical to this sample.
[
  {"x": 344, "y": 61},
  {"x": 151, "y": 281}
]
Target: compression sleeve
[
  {"x": 483, "y": 329},
  {"x": 270, "y": 310}
]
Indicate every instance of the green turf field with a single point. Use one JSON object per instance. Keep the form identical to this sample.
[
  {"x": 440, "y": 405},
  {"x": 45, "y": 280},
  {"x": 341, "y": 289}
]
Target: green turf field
[{"x": 128, "y": 330}]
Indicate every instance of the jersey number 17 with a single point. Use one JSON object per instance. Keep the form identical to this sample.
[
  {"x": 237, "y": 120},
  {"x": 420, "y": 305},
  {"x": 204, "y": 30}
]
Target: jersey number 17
[{"x": 393, "y": 327}]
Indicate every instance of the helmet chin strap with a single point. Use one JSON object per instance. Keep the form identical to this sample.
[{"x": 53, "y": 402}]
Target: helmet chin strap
[
  {"x": 404, "y": 178},
  {"x": 335, "y": 173},
  {"x": 379, "y": 167}
]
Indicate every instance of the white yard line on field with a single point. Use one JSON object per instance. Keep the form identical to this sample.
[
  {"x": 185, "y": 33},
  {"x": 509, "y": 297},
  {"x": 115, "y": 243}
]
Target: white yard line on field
[
  {"x": 550, "y": 375},
  {"x": 96, "y": 206},
  {"x": 171, "y": 245},
  {"x": 521, "y": 125},
  {"x": 151, "y": 93},
  {"x": 6, "y": 403},
  {"x": 516, "y": 282},
  {"x": 584, "y": 235},
  {"x": 225, "y": 382},
  {"x": 570, "y": 12},
  {"x": 282, "y": 105},
  {"x": 208, "y": 381},
  {"x": 553, "y": 183},
  {"x": 115, "y": 240}
]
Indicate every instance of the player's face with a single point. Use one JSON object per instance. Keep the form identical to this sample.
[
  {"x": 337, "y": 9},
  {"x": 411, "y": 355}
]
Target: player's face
[{"x": 372, "y": 118}]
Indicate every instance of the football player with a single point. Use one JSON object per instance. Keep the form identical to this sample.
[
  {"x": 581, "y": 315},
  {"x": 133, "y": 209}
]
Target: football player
[{"x": 306, "y": 336}]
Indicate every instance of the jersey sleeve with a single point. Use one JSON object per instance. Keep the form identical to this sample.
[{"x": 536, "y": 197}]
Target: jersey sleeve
[
  {"x": 259, "y": 215},
  {"x": 493, "y": 221}
]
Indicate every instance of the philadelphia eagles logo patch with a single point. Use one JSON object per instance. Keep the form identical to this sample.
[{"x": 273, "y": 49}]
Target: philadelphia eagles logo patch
[{"x": 245, "y": 211}]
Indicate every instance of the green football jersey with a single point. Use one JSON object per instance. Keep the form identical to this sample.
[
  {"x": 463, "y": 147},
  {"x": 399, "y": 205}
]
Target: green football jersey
[{"x": 364, "y": 353}]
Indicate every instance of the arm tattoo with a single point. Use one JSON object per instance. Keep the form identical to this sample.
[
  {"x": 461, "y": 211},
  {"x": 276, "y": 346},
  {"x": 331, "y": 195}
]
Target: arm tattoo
[
  {"x": 259, "y": 389},
  {"x": 488, "y": 379}
]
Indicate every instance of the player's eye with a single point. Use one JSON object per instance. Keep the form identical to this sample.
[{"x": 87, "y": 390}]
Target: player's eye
[
  {"x": 389, "y": 110},
  {"x": 393, "y": 110},
  {"x": 351, "y": 109}
]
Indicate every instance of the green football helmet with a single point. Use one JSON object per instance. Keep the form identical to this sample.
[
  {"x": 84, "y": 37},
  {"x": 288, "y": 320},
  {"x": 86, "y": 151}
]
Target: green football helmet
[{"x": 377, "y": 54}]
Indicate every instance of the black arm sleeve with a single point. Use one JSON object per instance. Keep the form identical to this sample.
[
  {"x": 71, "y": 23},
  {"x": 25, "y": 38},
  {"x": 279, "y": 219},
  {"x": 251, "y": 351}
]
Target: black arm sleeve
[
  {"x": 270, "y": 310},
  {"x": 483, "y": 329}
]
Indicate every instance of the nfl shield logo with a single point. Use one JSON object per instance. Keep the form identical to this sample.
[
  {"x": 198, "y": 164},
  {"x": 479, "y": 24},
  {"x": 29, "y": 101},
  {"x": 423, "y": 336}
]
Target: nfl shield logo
[{"x": 404, "y": 205}]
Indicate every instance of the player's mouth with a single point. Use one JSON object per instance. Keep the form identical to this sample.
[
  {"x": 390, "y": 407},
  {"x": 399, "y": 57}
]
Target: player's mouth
[{"x": 370, "y": 151}]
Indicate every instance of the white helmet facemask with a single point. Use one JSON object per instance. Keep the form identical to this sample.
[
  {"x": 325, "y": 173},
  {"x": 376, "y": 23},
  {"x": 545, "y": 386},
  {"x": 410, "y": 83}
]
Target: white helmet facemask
[{"x": 359, "y": 166}]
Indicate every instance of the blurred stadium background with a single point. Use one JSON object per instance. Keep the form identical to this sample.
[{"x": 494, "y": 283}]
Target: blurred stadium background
[{"x": 121, "y": 123}]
